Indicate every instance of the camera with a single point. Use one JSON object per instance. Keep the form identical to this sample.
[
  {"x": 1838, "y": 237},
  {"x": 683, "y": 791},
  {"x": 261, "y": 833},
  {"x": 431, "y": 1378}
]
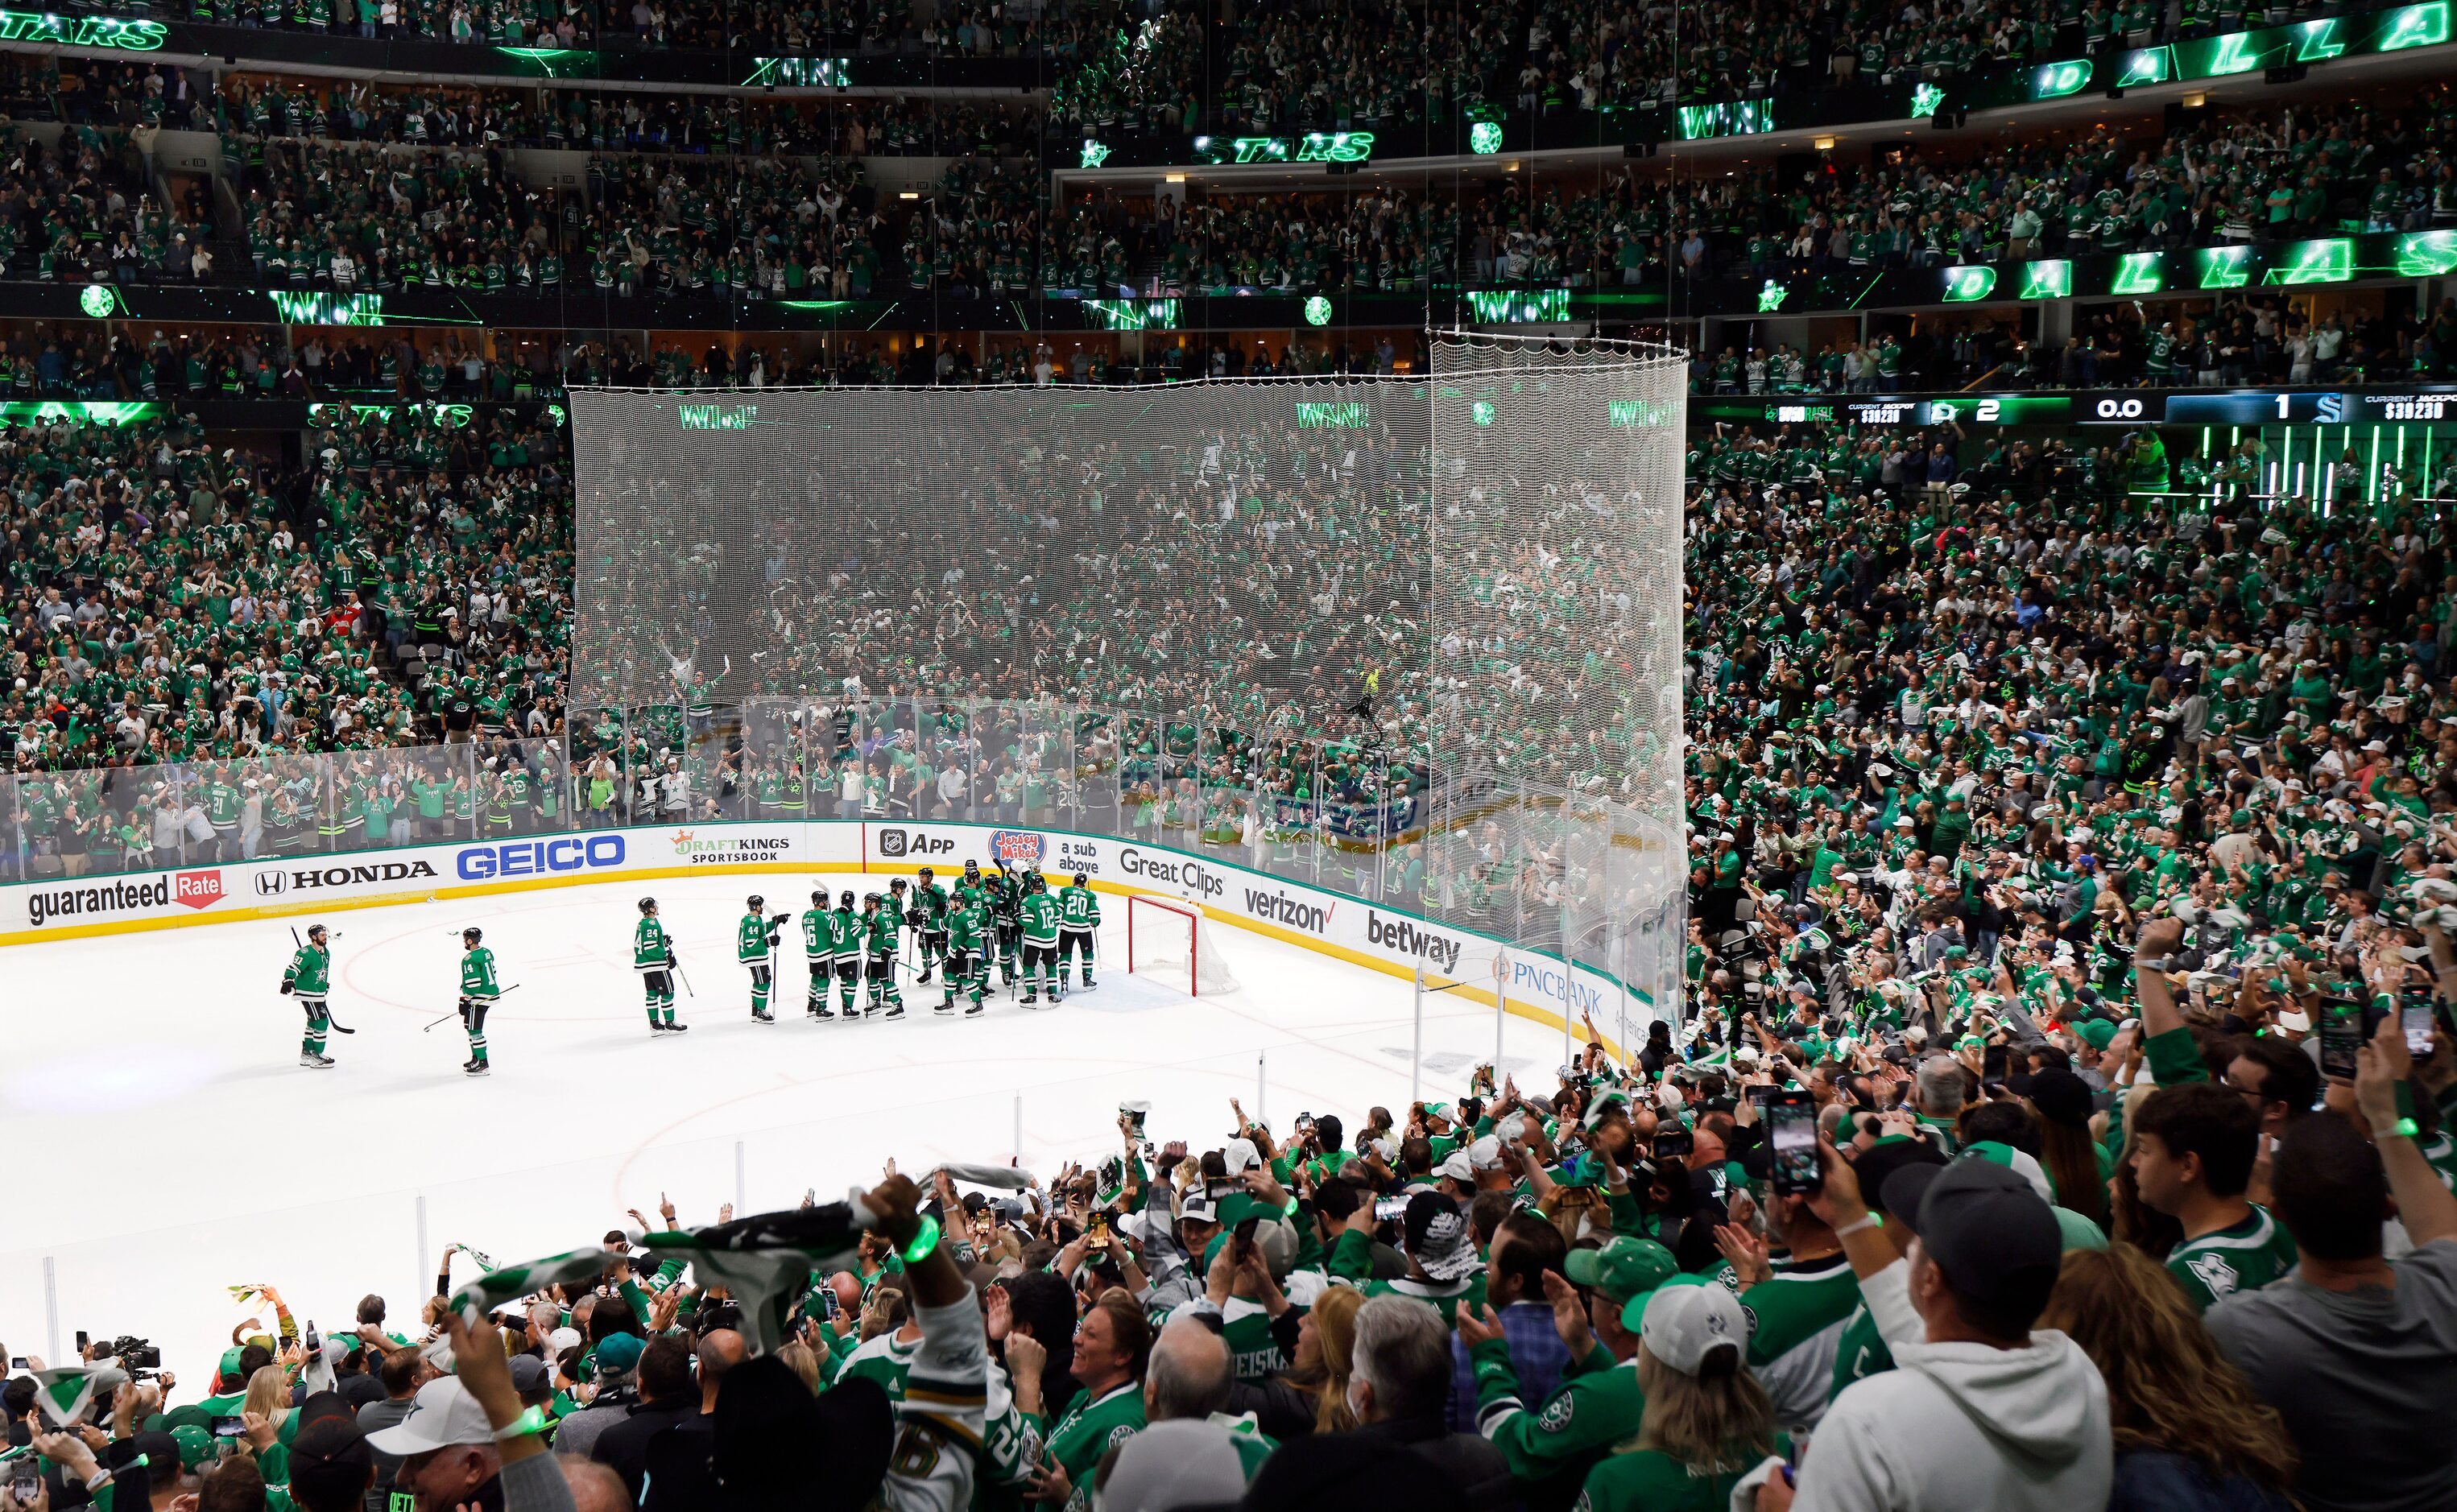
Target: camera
[{"x": 133, "y": 1353}]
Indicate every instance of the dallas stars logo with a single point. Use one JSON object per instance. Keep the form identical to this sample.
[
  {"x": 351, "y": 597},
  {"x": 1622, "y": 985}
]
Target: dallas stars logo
[
  {"x": 2215, "y": 1273},
  {"x": 1556, "y": 1414}
]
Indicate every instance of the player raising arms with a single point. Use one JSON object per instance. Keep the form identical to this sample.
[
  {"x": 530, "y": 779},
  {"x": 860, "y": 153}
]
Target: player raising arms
[
  {"x": 478, "y": 994},
  {"x": 1006, "y": 911},
  {"x": 818, "y": 945},
  {"x": 652, "y": 956},
  {"x": 1078, "y": 916},
  {"x": 309, "y": 978},
  {"x": 755, "y": 945}
]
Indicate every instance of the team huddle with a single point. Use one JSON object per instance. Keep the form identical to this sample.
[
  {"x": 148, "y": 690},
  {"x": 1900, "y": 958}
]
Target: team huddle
[
  {"x": 1010, "y": 916},
  {"x": 956, "y": 933}
]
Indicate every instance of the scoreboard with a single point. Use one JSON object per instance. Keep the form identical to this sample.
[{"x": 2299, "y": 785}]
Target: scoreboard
[{"x": 2120, "y": 407}]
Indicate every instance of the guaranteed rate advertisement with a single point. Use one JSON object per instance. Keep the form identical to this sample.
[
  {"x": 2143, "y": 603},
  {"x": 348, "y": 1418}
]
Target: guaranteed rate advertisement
[{"x": 1353, "y": 930}]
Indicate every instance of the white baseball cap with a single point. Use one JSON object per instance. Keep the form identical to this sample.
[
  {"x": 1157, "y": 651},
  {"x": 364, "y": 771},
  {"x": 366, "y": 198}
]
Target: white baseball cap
[
  {"x": 1459, "y": 1167},
  {"x": 1238, "y": 1156},
  {"x": 1684, "y": 1323},
  {"x": 443, "y": 1414}
]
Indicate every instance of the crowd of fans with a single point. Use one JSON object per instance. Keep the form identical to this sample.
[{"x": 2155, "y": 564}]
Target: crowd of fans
[
  {"x": 2025, "y": 1235},
  {"x": 990, "y": 28}
]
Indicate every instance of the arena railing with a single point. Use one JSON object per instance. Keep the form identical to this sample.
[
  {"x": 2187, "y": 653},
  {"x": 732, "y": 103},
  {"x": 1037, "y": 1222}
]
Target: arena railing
[{"x": 1584, "y": 880}]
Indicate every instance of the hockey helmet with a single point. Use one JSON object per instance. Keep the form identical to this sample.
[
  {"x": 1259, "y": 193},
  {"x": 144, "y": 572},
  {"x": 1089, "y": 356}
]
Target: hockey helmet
[
  {"x": 845, "y": 901},
  {"x": 648, "y": 905},
  {"x": 754, "y": 903},
  {"x": 1083, "y": 879},
  {"x": 472, "y": 935}
]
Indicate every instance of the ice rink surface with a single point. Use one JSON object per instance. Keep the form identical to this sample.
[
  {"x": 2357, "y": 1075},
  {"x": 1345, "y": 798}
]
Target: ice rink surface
[{"x": 168, "y": 1144}]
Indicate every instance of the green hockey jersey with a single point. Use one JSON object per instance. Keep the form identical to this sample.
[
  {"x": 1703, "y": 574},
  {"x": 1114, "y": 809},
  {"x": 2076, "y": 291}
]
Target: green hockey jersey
[
  {"x": 750, "y": 938},
  {"x": 1078, "y": 909},
  {"x": 650, "y": 949},
  {"x": 818, "y": 939},
  {"x": 478, "y": 976},
  {"x": 311, "y": 972},
  {"x": 1039, "y": 919}
]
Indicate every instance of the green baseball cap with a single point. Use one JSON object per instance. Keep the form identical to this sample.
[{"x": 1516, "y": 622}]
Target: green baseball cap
[
  {"x": 2077, "y": 1233},
  {"x": 1626, "y": 1268},
  {"x": 2097, "y": 1033},
  {"x": 196, "y": 1444},
  {"x": 230, "y": 1359}
]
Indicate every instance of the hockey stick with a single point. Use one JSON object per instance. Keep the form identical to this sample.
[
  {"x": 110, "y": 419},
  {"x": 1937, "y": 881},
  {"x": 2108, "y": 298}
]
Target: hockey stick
[
  {"x": 330, "y": 1022},
  {"x": 456, "y": 1013}
]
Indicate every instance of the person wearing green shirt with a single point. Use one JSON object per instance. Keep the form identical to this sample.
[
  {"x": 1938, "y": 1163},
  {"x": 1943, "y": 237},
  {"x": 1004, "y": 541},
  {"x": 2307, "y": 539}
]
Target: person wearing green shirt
[
  {"x": 846, "y": 934},
  {"x": 478, "y": 994},
  {"x": 1079, "y": 919},
  {"x": 1551, "y": 1445},
  {"x": 652, "y": 956},
  {"x": 1038, "y": 912},
  {"x": 755, "y": 945},
  {"x": 1111, "y": 1343},
  {"x": 1702, "y": 1433},
  {"x": 2193, "y": 1147},
  {"x": 309, "y": 978},
  {"x": 880, "y": 927},
  {"x": 818, "y": 948},
  {"x": 969, "y": 969}
]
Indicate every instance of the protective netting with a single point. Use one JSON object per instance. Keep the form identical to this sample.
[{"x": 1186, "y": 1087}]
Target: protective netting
[{"x": 1416, "y": 639}]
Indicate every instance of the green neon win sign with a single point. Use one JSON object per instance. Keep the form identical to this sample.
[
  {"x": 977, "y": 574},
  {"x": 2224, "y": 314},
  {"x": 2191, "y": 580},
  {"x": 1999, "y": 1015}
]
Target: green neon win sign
[
  {"x": 2140, "y": 273},
  {"x": 1323, "y": 416},
  {"x": 1969, "y": 281},
  {"x": 328, "y": 309},
  {"x": 718, "y": 416},
  {"x": 2048, "y": 279},
  {"x": 82, "y": 32},
  {"x": 1132, "y": 314},
  {"x": 1519, "y": 306},
  {"x": 1737, "y": 118}
]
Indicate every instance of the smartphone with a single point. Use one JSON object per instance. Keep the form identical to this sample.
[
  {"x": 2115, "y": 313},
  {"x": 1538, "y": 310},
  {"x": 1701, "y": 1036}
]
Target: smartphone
[
  {"x": 829, "y": 1306},
  {"x": 1991, "y": 1063},
  {"x": 2415, "y": 1017},
  {"x": 1791, "y": 1140},
  {"x": 84, "y": 1342},
  {"x": 1674, "y": 1144},
  {"x": 26, "y": 1481},
  {"x": 18, "y": 1362},
  {"x": 230, "y": 1427},
  {"x": 1100, "y": 1228},
  {"x": 1390, "y": 1209},
  {"x": 2342, "y": 1036},
  {"x": 1244, "y": 1231},
  {"x": 1760, "y": 1093}
]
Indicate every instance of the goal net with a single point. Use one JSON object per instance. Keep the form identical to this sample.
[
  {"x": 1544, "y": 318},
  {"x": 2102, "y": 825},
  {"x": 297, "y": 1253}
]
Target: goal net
[
  {"x": 1413, "y": 639},
  {"x": 1170, "y": 941}
]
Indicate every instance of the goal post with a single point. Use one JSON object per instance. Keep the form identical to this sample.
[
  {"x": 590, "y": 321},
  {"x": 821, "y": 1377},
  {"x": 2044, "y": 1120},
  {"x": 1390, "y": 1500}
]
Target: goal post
[{"x": 1170, "y": 941}]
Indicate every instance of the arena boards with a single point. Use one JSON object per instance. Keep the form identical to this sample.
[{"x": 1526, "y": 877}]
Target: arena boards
[{"x": 1530, "y": 984}]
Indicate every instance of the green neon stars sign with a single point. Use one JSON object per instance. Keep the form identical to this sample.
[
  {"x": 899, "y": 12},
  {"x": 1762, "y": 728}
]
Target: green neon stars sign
[{"x": 82, "y": 32}]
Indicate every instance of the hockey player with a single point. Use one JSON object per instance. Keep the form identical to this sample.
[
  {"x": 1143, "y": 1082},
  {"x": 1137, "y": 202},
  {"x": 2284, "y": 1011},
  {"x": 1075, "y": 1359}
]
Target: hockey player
[
  {"x": 819, "y": 944},
  {"x": 845, "y": 931},
  {"x": 652, "y": 956},
  {"x": 879, "y": 925},
  {"x": 310, "y": 979},
  {"x": 1038, "y": 923},
  {"x": 929, "y": 922},
  {"x": 755, "y": 945},
  {"x": 968, "y": 963},
  {"x": 478, "y": 994},
  {"x": 897, "y": 907},
  {"x": 1078, "y": 916},
  {"x": 1006, "y": 911}
]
